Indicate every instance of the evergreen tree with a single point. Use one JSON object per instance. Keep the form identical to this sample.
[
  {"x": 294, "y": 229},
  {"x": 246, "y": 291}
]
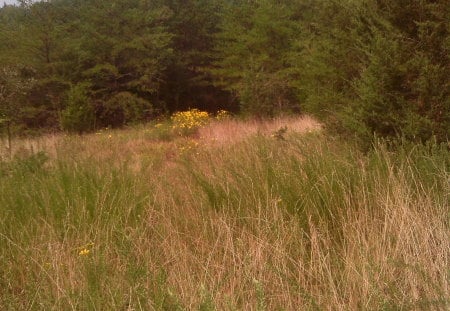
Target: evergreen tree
[
  {"x": 252, "y": 55},
  {"x": 377, "y": 67},
  {"x": 363, "y": 66},
  {"x": 194, "y": 25}
]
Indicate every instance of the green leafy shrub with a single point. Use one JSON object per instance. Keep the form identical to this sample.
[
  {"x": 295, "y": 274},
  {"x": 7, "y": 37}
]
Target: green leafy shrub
[
  {"x": 79, "y": 114},
  {"x": 124, "y": 108}
]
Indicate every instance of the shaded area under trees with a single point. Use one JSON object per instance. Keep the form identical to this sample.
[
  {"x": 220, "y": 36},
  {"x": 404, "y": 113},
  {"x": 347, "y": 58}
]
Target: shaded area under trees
[{"x": 364, "y": 67}]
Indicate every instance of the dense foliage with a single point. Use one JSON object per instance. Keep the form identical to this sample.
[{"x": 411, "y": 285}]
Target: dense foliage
[{"x": 363, "y": 66}]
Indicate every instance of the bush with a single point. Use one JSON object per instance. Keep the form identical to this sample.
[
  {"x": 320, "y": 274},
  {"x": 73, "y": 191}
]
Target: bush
[
  {"x": 124, "y": 108},
  {"x": 188, "y": 122},
  {"x": 79, "y": 114}
]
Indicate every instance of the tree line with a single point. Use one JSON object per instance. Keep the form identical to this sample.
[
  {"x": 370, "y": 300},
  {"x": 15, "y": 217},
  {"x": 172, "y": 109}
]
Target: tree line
[{"x": 364, "y": 67}]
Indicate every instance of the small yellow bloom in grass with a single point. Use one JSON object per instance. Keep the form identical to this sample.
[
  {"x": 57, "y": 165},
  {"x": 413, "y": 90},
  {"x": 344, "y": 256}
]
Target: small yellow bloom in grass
[
  {"x": 84, "y": 252},
  {"x": 222, "y": 115}
]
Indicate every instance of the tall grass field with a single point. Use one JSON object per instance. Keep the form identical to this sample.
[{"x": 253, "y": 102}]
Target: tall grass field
[{"x": 237, "y": 215}]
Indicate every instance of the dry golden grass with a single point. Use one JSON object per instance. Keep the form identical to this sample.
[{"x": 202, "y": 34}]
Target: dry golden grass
[
  {"x": 232, "y": 220},
  {"x": 234, "y": 130},
  {"x": 397, "y": 254},
  {"x": 27, "y": 146},
  {"x": 137, "y": 144}
]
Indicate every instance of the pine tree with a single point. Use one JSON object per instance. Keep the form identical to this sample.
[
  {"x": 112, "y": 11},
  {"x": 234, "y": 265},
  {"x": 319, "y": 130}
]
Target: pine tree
[{"x": 252, "y": 55}]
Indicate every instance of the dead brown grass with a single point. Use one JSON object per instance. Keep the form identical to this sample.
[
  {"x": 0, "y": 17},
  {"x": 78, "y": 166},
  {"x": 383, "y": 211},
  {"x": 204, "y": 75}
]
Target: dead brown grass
[
  {"x": 235, "y": 130},
  {"x": 396, "y": 256},
  {"x": 136, "y": 145},
  {"x": 384, "y": 247}
]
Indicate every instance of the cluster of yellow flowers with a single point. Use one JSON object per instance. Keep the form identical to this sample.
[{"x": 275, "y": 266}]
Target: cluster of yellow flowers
[{"x": 187, "y": 122}]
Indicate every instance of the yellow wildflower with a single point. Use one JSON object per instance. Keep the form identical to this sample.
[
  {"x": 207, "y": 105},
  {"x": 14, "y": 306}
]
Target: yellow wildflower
[
  {"x": 187, "y": 122},
  {"x": 84, "y": 252},
  {"x": 222, "y": 115}
]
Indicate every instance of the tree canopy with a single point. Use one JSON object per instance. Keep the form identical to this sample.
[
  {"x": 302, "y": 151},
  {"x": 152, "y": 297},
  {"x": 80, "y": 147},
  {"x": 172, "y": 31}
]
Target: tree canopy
[{"x": 364, "y": 67}]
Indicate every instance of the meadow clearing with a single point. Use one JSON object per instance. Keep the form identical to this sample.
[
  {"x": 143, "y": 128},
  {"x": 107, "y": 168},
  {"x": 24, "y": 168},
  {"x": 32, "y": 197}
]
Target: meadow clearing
[{"x": 233, "y": 215}]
